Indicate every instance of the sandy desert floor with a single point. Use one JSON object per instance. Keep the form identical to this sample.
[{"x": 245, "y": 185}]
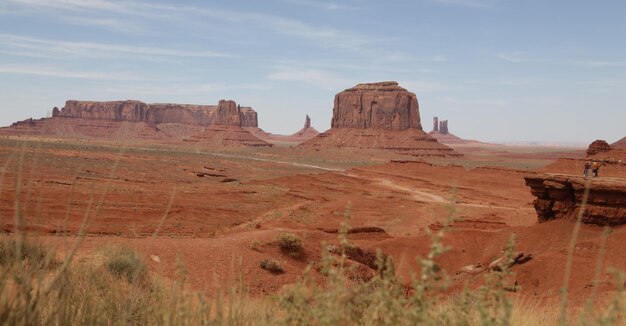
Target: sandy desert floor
[{"x": 217, "y": 212}]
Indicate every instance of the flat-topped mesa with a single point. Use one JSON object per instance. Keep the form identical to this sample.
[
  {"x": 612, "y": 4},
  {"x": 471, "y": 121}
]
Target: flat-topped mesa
[
  {"x": 225, "y": 113},
  {"x": 381, "y": 116},
  {"x": 560, "y": 196},
  {"x": 383, "y": 105}
]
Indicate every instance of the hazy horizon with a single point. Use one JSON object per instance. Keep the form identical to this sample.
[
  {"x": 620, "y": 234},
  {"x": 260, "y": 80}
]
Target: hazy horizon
[{"x": 499, "y": 71}]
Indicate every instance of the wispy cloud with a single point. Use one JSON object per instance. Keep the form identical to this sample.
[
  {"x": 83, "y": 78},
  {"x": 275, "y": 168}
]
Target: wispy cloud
[
  {"x": 321, "y": 78},
  {"x": 114, "y": 24},
  {"x": 62, "y": 73},
  {"x": 182, "y": 89},
  {"x": 117, "y": 6},
  {"x": 600, "y": 63},
  {"x": 468, "y": 3},
  {"x": 476, "y": 103},
  {"x": 38, "y": 47},
  {"x": 328, "y": 36},
  {"x": 326, "y": 5},
  {"x": 515, "y": 56},
  {"x": 422, "y": 86}
]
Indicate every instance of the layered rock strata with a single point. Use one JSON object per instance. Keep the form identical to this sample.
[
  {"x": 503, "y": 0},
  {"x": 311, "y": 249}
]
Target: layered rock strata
[
  {"x": 217, "y": 125},
  {"x": 225, "y": 113},
  {"x": 598, "y": 146},
  {"x": 378, "y": 116},
  {"x": 383, "y": 105},
  {"x": 560, "y": 196}
]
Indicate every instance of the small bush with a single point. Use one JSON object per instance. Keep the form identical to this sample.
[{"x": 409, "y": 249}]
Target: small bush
[
  {"x": 35, "y": 254},
  {"x": 290, "y": 243},
  {"x": 272, "y": 266},
  {"x": 126, "y": 263}
]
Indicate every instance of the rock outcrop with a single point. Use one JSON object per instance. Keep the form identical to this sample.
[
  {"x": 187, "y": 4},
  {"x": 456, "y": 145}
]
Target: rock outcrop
[
  {"x": 378, "y": 116},
  {"x": 560, "y": 196},
  {"x": 225, "y": 113},
  {"x": 212, "y": 125},
  {"x": 442, "y": 134},
  {"x": 443, "y": 127},
  {"x": 383, "y": 105},
  {"x": 620, "y": 144},
  {"x": 598, "y": 146},
  {"x": 307, "y": 131}
]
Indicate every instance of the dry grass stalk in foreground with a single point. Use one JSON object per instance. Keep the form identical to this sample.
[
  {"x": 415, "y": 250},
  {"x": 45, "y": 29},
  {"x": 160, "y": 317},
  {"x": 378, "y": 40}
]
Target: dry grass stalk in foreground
[{"x": 117, "y": 290}]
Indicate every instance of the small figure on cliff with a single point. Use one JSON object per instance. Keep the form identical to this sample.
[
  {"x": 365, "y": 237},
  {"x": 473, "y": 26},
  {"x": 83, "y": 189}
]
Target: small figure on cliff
[
  {"x": 595, "y": 166},
  {"x": 587, "y": 167}
]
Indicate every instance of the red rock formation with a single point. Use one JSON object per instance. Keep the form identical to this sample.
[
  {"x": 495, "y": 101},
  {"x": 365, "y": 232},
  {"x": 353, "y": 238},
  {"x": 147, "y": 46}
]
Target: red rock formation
[
  {"x": 443, "y": 127},
  {"x": 219, "y": 125},
  {"x": 248, "y": 117},
  {"x": 225, "y": 113},
  {"x": 560, "y": 196},
  {"x": 378, "y": 116},
  {"x": 383, "y": 105},
  {"x": 620, "y": 144},
  {"x": 225, "y": 135},
  {"x": 27, "y": 123},
  {"x": 598, "y": 146},
  {"x": 435, "y": 124},
  {"x": 306, "y": 132}
]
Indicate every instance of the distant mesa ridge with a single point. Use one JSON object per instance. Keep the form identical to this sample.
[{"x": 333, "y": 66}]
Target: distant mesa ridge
[
  {"x": 224, "y": 124},
  {"x": 227, "y": 112}
]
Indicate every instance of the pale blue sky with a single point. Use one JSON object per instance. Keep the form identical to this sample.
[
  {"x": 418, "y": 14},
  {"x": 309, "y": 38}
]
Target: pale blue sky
[{"x": 498, "y": 70}]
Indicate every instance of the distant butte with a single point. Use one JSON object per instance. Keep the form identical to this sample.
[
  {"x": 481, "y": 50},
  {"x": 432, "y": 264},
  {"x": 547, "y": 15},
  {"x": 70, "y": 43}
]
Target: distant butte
[
  {"x": 307, "y": 132},
  {"x": 379, "y": 115},
  {"x": 220, "y": 125}
]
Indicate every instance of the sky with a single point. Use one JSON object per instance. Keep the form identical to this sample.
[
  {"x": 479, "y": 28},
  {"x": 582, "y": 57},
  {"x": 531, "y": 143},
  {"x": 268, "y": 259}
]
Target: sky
[{"x": 498, "y": 70}]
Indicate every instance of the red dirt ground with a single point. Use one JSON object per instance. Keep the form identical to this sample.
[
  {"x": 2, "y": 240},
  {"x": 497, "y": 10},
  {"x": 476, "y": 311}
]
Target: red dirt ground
[{"x": 229, "y": 206}]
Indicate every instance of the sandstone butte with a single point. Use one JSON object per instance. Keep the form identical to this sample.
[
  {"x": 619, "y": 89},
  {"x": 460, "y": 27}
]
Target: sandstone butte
[
  {"x": 219, "y": 125},
  {"x": 598, "y": 146},
  {"x": 560, "y": 196},
  {"x": 379, "y": 115},
  {"x": 442, "y": 134}
]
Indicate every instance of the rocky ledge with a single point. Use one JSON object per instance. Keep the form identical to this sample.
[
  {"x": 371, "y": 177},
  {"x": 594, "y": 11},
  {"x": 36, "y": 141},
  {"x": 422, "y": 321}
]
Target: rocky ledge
[{"x": 560, "y": 196}]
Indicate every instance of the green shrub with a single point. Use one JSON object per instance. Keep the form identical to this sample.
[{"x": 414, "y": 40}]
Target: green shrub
[
  {"x": 272, "y": 266},
  {"x": 34, "y": 254},
  {"x": 126, "y": 263},
  {"x": 290, "y": 243}
]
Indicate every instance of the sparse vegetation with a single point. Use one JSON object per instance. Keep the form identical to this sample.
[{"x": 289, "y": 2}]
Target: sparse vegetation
[
  {"x": 272, "y": 266},
  {"x": 290, "y": 243},
  {"x": 126, "y": 263}
]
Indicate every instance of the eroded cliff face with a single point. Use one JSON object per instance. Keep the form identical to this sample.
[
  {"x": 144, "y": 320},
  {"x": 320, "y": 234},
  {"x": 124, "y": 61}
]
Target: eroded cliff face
[
  {"x": 560, "y": 196},
  {"x": 598, "y": 146},
  {"x": 225, "y": 113},
  {"x": 383, "y": 105}
]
